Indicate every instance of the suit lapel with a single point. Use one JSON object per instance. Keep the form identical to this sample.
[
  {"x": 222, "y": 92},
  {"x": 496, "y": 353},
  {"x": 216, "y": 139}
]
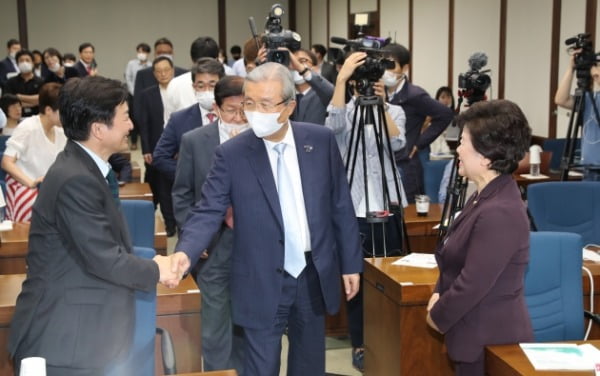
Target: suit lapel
[
  {"x": 306, "y": 158},
  {"x": 259, "y": 161}
]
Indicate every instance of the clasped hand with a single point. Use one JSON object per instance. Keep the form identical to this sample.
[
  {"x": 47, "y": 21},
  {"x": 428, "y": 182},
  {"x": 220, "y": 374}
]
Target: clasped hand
[{"x": 172, "y": 268}]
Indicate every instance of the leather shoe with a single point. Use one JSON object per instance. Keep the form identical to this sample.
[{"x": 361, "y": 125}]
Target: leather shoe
[
  {"x": 170, "y": 232},
  {"x": 357, "y": 359}
]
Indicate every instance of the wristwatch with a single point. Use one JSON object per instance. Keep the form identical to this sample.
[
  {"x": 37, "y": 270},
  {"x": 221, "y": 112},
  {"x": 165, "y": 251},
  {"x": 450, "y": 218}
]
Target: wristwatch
[{"x": 304, "y": 70}]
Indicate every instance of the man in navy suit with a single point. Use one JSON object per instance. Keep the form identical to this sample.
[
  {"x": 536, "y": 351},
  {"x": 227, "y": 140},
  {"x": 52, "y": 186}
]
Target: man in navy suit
[
  {"x": 86, "y": 65},
  {"x": 151, "y": 123},
  {"x": 417, "y": 105},
  {"x": 9, "y": 65},
  {"x": 206, "y": 72},
  {"x": 281, "y": 275}
]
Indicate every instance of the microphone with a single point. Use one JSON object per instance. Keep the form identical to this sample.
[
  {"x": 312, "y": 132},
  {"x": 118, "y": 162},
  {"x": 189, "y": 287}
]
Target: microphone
[
  {"x": 478, "y": 60},
  {"x": 338, "y": 40},
  {"x": 253, "y": 31}
]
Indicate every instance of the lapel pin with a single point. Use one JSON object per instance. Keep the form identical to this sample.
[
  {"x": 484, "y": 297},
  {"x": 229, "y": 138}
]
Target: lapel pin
[{"x": 308, "y": 148}]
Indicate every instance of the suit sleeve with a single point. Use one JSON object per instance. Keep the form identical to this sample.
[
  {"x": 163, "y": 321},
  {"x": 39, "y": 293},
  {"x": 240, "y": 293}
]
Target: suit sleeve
[
  {"x": 163, "y": 157},
  {"x": 183, "y": 187},
  {"x": 489, "y": 251},
  {"x": 141, "y": 119},
  {"x": 206, "y": 217},
  {"x": 81, "y": 215},
  {"x": 441, "y": 117},
  {"x": 322, "y": 87},
  {"x": 344, "y": 220}
]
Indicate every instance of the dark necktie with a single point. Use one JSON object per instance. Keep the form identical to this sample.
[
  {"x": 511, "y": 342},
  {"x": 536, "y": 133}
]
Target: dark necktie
[
  {"x": 113, "y": 185},
  {"x": 298, "y": 99}
]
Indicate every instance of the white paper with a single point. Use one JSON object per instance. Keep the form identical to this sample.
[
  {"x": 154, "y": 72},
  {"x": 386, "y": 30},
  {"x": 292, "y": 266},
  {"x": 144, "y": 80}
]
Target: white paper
[
  {"x": 591, "y": 255},
  {"x": 531, "y": 177},
  {"x": 6, "y": 225},
  {"x": 417, "y": 260},
  {"x": 560, "y": 356}
]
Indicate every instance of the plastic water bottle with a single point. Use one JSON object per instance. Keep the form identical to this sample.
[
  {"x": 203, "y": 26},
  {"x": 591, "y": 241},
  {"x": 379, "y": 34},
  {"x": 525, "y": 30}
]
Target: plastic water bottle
[{"x": 534, "y": 160}]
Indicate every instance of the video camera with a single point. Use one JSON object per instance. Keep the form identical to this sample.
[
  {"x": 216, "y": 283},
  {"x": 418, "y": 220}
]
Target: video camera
[
  {"x": 474, "y": 83},
  {"x": 375, "y": 64},
  {"x": 276, "y": 36},
  {"x": 584, "y": 60}
]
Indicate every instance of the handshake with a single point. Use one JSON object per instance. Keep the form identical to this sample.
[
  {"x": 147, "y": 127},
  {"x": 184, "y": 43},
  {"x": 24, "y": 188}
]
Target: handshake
[{"x": 172, "y": 268}]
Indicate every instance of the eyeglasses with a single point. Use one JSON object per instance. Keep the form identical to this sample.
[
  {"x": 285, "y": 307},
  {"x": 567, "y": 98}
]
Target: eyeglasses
[
  {"x": 249, "y": 105},
  {"x": 231, "y": 112}
]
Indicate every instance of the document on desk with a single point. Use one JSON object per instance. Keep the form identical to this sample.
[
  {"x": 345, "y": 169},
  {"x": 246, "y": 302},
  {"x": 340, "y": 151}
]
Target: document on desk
[
  {"x": 418, "y": 260},
  {"x": 561, "y": 356}
]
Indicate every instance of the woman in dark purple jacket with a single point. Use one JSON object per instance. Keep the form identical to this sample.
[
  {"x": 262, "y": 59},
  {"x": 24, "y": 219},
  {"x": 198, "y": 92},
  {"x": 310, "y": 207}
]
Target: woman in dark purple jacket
[{"x": 479, "y": 297}]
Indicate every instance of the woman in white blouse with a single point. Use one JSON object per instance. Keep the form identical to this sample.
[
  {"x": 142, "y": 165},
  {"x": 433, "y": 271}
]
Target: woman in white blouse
[{"x": 30, "y": 152}]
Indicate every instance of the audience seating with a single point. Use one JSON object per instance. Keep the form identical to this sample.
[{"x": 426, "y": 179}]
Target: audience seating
[
  {"x": 139, "y": 215},
  {"x": 557, "y": 146},
  {"x": 553, "y": 286},
  {"x": 566, "y": 207}
]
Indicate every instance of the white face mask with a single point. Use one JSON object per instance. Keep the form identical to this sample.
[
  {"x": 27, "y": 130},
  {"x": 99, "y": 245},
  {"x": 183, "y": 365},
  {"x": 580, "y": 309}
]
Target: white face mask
[
  {"x": 390, "y": 79},
  {"x": 142, "y": 56},
  {"x": 234, "y": 129},
  {"x": 298, "y": 79},
  {"x": 205, "y": 99},
  {"x": 263, "y": 124},
  {"x": 54, "y": 67},
  {"x": 25, "y": 67},
  {"x": 69, "y": 65}
]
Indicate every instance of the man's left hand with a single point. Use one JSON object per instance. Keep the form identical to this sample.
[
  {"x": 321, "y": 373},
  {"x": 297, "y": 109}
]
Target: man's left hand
[{"x": 351, "y": 284}]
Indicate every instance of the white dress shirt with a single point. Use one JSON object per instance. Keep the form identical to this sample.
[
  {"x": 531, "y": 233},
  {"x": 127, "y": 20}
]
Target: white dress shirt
[{"x": 290, "y": 157}]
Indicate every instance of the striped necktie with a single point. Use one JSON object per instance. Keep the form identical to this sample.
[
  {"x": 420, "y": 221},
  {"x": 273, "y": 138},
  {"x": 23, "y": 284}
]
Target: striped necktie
[{"x": 113, "y": 185}]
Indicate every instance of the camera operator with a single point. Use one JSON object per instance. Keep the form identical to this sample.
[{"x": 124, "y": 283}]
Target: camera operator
[
  {"x": 590, "y": 138},
  {"x": 417, "y": 105},
  {"x": 340, "y": 120},
  {"x": 313, "y": 92}
]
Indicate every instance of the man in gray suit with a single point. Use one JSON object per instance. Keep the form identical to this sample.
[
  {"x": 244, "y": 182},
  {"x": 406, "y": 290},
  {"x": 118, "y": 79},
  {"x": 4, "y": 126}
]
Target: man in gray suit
[
  {"x": 313, "y": 91},
  {"x": 76, "y": 307},
  {"x": 222, "y": 342}
]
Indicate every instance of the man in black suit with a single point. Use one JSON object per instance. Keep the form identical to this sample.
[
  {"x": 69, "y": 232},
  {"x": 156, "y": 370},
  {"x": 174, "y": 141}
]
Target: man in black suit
[
  {"x": 9, "y": 65},
  {"x": 324, "y": 68},
  {"x": 76, "y": 307},
  {"x": 151, "y": 124},
  {"x": 417, "y": 105},
  {"x": 86, "y": 65}
]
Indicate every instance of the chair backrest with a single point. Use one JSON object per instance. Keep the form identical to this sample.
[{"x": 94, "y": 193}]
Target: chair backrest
[
  {"x": 557, "y": 146},
  {"x": 553, "y": 286},
  {"x": 433, "y": 171},
  {"x": 139, "y": 215},
  {"x": 568, "y": 207},
  {"x": 3, "y": 139},
  {"x": 140, "y": 360}
]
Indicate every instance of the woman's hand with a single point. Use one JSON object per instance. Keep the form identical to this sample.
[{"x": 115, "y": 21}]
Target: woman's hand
[{"x": 432, "y": 301}]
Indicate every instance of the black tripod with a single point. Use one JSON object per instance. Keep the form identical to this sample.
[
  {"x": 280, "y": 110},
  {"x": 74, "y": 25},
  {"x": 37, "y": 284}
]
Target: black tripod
[
  {"x": 367, "y": 110},
  {"x": 575, "y": 127}
]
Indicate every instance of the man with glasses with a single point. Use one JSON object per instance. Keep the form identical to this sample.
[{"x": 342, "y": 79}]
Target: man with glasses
[
  {"x": 295, "y": 233},
  {"x": 222, "y": 342}
]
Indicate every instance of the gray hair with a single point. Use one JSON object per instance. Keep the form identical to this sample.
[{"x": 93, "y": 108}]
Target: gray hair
[{"x": 274, "y": 72}]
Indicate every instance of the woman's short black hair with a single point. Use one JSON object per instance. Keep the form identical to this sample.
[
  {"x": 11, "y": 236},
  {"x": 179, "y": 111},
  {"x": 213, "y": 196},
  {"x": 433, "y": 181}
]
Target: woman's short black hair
[
  {"x": 499, "y": 131},
  {"x": 87, "y": 100},
  {"x": 447, "y": 90},
  {"x": 8, "y": 100}
]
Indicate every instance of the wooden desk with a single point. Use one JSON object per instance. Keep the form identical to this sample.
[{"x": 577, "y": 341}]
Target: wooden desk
[
  {"x": 135, "y": 191},
  {"x": 229, "y": 372},
  {"x": 510, "y": 360},
  {"x": 177, "y": 310},
  {"x": 422, "y": 236},
  {"x": 397, "y": 338},
  {"x": 14, "y": 245}
]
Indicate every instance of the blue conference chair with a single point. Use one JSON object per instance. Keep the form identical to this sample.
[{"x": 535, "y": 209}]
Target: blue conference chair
[
  {"x": 553, "y": 286},
  {"x": 567, "y": 207},
  {"x": 557, "y": 146},
  {"x": 139, "y": 215}
]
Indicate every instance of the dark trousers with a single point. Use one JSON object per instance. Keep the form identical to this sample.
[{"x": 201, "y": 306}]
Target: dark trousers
[
  {"x": 411, "y": 173},
  {"x": 371, "y": 234},
  {"x": 133, "y": 135},
  {"x": 302, "y": 311},
  {"x": 161, "y": 186}
]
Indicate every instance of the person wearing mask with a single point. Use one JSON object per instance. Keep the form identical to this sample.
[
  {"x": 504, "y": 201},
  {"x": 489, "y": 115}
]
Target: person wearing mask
[
  {"x": 295, "y": 235},
  {"x": 133, "y": 66},
  {"x": 69, "y": 60},
  {"x": 151, "y": 123},
  {"x": 313, "y": 91},
  {"x": 179, "y": 93},
  {"x": 25, "y": 85},
  {"x": 82, "y": 275},
  {"x": 30, "y": 152},
  {"x": 479, "y": 296},
  {"x": 57, "y": 72},
  {"x": 39, "y": 68},
  {"x": 341, "y": 121},
  {"x": 11, "y": 107},
  {"x": 86, "y": 65},
  {"x": 590, "y": 132},
  {"x": 325, "y": 69},
  {"x": 222, "y": 341},
  {"x": 417, "y": 105},
  {"x": 9, "y": 66}
]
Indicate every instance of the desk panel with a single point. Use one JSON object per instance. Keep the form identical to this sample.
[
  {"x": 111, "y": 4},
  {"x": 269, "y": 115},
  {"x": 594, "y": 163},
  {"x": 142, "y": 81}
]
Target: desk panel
[{"x": 135, "y": 191}]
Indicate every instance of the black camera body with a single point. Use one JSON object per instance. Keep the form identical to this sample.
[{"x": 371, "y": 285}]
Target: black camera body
[
  {"x": 584, "y": 60},
  {"x": 276, "y": 36},
  {"x": 474, "y": 83},
  {"x": 376, "y": 62}
]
